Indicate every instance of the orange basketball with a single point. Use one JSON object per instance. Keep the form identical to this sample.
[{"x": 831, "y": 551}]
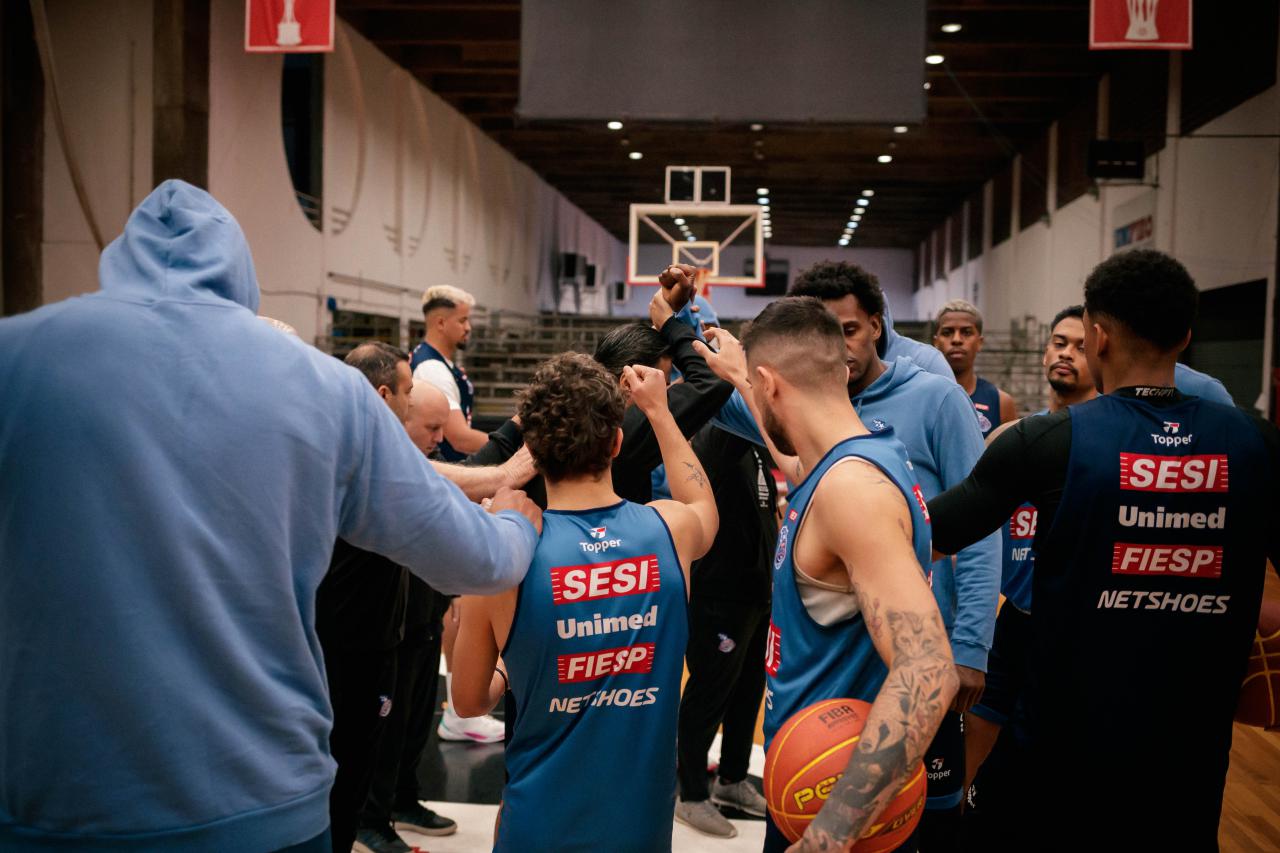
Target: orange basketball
[
  {"x": 1260, "y": 692},
  {"x": 807, "y": 756}
]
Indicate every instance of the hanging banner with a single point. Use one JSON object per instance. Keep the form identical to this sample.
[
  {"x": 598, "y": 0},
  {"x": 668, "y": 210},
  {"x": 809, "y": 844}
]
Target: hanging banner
[
  {"x": 288, "y": 26},
  {"x": 1139, "y": 24}
]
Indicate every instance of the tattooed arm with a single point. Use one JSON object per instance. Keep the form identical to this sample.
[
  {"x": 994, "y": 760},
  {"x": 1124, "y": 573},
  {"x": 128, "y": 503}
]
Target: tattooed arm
[
  {"x": 691, "y": 515},
  {"x": 906, "y": 627}
]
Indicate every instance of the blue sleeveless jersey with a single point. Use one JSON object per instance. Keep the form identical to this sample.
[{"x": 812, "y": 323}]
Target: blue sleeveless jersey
[
  {"x": 806, "y": 662},
  {"x": 595, "y": 657},
  {"x": 1017, "y": 559},
  {"x": 986, "y": 402},
  {"x": 466, "y": 393},
  {"x": 1145, "y": 613}
]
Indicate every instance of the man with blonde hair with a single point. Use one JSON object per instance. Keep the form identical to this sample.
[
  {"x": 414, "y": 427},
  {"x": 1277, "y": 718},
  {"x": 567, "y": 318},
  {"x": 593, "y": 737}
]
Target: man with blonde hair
[
  {"x": 958, "y": 335},
  {"x": 446, "y": 310}
]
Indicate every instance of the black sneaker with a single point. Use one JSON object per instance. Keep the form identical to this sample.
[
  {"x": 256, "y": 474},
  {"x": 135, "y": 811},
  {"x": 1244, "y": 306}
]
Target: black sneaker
[
  {"x": 422, "y": 820},
  {"x": 372, "y": 839}
]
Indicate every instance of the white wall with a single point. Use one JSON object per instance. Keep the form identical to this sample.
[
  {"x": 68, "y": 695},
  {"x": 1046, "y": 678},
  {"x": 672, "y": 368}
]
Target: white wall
[
  {"x": 1215, "y": 210},
  {"x": 414, "y": 194},
  {"x": 893, "y": 267}
]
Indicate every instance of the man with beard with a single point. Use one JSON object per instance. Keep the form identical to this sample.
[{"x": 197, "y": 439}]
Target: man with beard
[
  {"x": 958, "y": 336},
  {"x": 849, "y": 599},
  {"x": 446, "y": 311}
]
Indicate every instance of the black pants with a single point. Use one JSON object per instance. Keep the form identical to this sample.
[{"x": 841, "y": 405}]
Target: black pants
[
  {"x": 361, "y": 687},
  {"x": 726, "y": 684},
  {"x": 395, "y": 782}
]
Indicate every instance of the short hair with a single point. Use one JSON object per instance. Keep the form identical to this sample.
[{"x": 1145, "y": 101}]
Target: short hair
[
  {"x": 377, "y": 360},
  {"x": 630, "y": 343},
  {"x": 801, "y": 339},
  {"x": 444, "y": 296},
  {"x": 1076, "y": 311},
  {"x": 837, "y": 279},
  {"x": 959, "y": 306},
  {"x": 570, "y": 413},
  {"x": 1148, "y": 292}
]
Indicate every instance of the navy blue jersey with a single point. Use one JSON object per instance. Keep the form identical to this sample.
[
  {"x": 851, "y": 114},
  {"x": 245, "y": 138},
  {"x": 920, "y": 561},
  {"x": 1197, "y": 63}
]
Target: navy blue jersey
[
  {"x": 807, "y": 662},
  {"x": 595, "y": 656},
  {"x": 1143, "y": 619},
  {"x": 986, "y": 402},
  {"x": 466, "y": 393},
  {"x": 1018, "y": 559}
]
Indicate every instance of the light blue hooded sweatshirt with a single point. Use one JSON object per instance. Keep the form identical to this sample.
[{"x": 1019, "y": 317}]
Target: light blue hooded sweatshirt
[
  {"x": 934, "y": 418},
  {"x": 1196, "y": 384},
  {"x": 173, "y": 475},
  {"x": 926, "y": 357}
]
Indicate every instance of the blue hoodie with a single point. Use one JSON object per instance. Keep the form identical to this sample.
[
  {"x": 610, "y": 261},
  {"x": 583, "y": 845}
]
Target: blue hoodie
[
  {"x": 1197, "y": 384},
  {"x": 933, "y": 417},
  {"x": 173, "y": 475},
  {"x": 926, "y": 357}
]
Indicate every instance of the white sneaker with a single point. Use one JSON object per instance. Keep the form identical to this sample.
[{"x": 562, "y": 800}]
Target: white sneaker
[
  {"x": 742, "y": 796},
  {"x": 476, "y": 729},
  {"x": 705, "y": 818}
]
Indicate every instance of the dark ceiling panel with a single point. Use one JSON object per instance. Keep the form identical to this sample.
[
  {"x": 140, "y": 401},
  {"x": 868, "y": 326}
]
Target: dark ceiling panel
[{"x": 1012, "y": 69}]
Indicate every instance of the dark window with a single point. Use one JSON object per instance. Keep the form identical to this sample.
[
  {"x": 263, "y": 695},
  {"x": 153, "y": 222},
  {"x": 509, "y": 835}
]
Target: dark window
[
  {"x": 1139, "y": 97},
  {"x": 976, "y": 211},
  {"x": 417, "y": 331},
  {"x": 955, "y": 230},
  {"x": 1227, "y": 339},
  {"x": 1076, "y": 128},
  {"x": 302, "y": 122},
  {"x": 1234, "y": 58},
  {"x": 1033, "y": 198},
  {"x": 1002, "y": 206}
]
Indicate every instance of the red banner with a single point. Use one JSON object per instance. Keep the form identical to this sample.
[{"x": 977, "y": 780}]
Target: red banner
[
  {"x": 1140, "y": 24},
  {"x": 288, "y": 26}
]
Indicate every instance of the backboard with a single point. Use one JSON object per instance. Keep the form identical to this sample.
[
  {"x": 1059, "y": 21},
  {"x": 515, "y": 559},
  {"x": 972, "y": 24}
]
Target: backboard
[{"x": 720, "y": 237}]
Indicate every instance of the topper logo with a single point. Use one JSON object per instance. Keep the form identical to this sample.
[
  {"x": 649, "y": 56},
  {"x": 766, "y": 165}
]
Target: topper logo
[
  {"x": 1172, "y": 427},
  {"x": 1140, "y": 472},
  {"x": 599, "y": 532},
  {"x": 627, "y": 660},
  {"x": 1200, "y": 561},
  {"x": 1022, "y": 524},
  {"x": 629, "y": 576},
  {"x": 773, "y": 650}
]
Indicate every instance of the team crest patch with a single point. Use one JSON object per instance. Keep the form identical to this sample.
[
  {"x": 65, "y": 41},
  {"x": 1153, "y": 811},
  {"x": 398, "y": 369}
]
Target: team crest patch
[
  {"x": 726, "y": 643},
  {"x": 983, "y": 423},
  {"x": 781, "y": 553},
  {"x": 384, "y": 707},
  {"x": 878, "y": 425},
  {"x": 599, "y": 532}
]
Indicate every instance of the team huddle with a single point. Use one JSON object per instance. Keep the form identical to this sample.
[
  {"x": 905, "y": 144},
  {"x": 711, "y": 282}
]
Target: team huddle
[{"x": 1054, "y": 621}]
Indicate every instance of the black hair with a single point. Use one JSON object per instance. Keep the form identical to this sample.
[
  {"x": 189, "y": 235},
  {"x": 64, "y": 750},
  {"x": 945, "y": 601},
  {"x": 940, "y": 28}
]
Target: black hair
[
  {"x": 631, "y": 343},
  {"x": 835, "y": 280},
  {"x": 1148, "y": 292},
  {"x": 1076, "y": 311},
  {"x": 377, "y": 360},
  {"x": 813, "y": 330}
]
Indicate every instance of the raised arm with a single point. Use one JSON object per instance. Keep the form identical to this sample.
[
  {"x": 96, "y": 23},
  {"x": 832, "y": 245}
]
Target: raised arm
[
  {"x": 477, "y": 686},
  {"x": 691, "y": 514},
  {"x": 478, "y": 482},
  {"x": 907, "y": 630}
]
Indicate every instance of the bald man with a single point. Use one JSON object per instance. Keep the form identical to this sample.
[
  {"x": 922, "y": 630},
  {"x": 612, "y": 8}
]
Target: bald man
[{"x": 428, "y": 414}]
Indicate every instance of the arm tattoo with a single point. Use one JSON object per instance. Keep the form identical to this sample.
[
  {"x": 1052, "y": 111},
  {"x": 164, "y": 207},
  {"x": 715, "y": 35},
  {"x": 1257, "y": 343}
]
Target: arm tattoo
[
  {"x": 695, "y": 475},
  {"x": 902, "y": 721}
]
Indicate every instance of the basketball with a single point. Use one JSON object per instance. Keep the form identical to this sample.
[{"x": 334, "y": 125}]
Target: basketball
[
  {"x": 1260, "y": 691},
  {"x": 808, "y": 755}
]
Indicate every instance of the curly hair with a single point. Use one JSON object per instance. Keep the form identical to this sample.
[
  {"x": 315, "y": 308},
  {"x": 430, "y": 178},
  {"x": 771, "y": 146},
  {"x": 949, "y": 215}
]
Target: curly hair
[
  {"x": 835, "y": 280},
  {"x": 1148, "y": 291},
  {"x": 570, "y": 413}
]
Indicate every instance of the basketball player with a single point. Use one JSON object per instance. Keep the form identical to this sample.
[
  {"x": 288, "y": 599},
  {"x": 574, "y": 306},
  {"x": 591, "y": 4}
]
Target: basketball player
[
  {"x": 958, "y": 336},
  {"x": 594, "y": 638},
  {"x": 1008, "y": 666},
  {"x": 849, "y": 599},
  {"x": 446, "y": 311},
  {"x": 1156, "y": 518}
]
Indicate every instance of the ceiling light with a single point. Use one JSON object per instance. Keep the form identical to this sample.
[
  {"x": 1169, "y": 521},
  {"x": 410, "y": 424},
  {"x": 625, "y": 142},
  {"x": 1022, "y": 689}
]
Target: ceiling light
[
  {"x": 928, "y": 86},
  {"x": 635, "y": 155},
  {"x": 883, "y": 158},
  {"x": 764, "y": 207},
  {"x": 862, "y": 202},
  {"x": 868, "y": 193},
  {"x": 689, "y": 238},
  {"x": 935, "y": 59},
  {"x": 764, "y": 199},
  {"x": 844, "y": 242},
  {"x": 951, "y": 28},
  {"x": 900, "y": 128},
  {"x": 762, "y": 190},
  {"x": 679, "y": 221},
  {"x": 614, "y": 125},
  {"x": 848, "y": 231},
  {"x": 757, "y": 127}
]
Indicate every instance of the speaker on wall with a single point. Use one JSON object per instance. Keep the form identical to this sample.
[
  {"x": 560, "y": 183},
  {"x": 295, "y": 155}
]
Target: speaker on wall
[
  {"x": 571, "y": 265},
  {"x": 620, "y": 291},
  {"x": 590, "y": 283}
]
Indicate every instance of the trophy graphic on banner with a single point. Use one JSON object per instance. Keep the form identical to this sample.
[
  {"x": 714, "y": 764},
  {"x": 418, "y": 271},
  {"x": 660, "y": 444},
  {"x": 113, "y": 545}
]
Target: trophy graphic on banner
[
  {"x": 1142, "y": 20},
  {"x": 289, "y": 32}
]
